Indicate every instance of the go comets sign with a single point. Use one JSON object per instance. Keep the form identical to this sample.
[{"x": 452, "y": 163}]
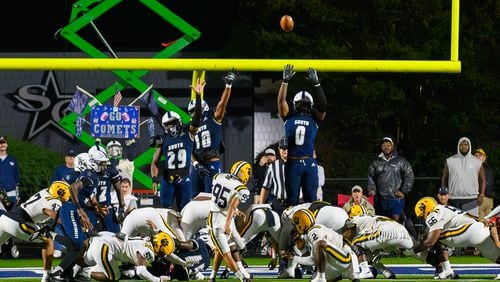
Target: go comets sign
[{"x": 114, "y": 122}]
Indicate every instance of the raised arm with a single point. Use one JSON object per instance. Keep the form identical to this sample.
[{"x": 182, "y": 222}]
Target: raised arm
[
  {"x": 195, "y": 122},
  {"x": 220, "y": 110},
  {"x": 288, "y": 73},
  {"x": 321, "y": 102}
]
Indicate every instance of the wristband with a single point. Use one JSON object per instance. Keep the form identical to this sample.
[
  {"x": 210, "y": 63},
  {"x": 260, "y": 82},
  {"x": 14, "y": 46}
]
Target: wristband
[
  {"x": 156, "y": 180},
  {"x": 195, "y": 163},
  {"x": 228, "y": 85},
  {"x": 284, "y": 82}
]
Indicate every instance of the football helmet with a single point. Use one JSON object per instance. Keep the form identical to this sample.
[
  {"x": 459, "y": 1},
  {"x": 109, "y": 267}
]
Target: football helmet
[
  {"x": 242, "y": 170},
  {"x": 191, "y": 105},
  {"x": 302, "y": 220},
  {"x": 163, "y": 244},
  {"x": 98, "y": 159},
  {"x": 356, "y": 210},
  {"x": 82, "y": 162},
  {"x": 171, "y": 122},
  {"x": 303, "y": 102},
  {"x": 424, "y": 206},
  {"x": 60, "y": 189},
  {"x": 114, "y": 149}
]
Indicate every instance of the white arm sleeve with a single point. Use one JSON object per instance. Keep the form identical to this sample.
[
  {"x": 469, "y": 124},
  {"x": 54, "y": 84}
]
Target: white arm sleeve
[{"x": 144, "y": 274}]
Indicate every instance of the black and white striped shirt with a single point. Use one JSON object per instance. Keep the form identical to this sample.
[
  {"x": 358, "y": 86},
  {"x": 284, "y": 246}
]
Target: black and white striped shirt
[{"x": 274, "y": 179}]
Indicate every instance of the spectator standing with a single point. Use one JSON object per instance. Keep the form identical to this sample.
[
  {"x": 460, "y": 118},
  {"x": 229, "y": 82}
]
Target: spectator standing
[
  {"x": 259, "y": 170},
  {"x": 390, "y": 178},
  {"x": 66, "y": 172},
  {"x": 301, "y": 127},
  {"x": 464, "y": 175},
  {"x": 129, "y": 198},
  {"x": 273, "y": 188},
  {"x": 357, "y": 198},
  {"x": 489, "y": 194},
  {"x": 208, "y": 141},
  {"x": 10, "y": 175}
]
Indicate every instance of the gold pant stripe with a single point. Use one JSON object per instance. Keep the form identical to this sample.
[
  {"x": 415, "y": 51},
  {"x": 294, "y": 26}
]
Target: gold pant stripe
[
  {"x": 168, "y": 226},
  {"x": 211, "y": 232},
  {"x": 249, "y": 221},
  {"x": 338, "y": 256},
  {"x": 366, "y": 237},
  {"x": 455, "y": 232},
  {"x": 107, "y": 266}
]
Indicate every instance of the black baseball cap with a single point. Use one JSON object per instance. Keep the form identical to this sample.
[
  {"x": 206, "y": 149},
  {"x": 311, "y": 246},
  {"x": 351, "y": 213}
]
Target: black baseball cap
[
  {"x": 71, "y": 152},
  {"x": 443, "y": 190},
  {"x": 3, "y": 139}
]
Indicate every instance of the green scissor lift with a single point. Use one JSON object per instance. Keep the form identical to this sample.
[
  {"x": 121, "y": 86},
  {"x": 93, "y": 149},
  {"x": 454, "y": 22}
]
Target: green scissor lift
[{"x": 84, "y": 13}]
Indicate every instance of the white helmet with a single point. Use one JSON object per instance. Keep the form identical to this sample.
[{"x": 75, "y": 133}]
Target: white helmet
[
  {"x": 171, "y": 122},
  {"x": 114, "y": 149},
  {"x": 82, "y": 162},
  {"x": 191, "y": 105},
  {"x": 303, "y": 102},
  {"x": 98, "y": 159}
]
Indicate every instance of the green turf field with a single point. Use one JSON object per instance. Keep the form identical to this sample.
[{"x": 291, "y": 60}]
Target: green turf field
[{"x": 4, "y": 263}]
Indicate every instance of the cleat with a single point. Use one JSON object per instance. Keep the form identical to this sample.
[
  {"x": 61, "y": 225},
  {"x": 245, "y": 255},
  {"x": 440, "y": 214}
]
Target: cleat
[
  {"x": 366, "y": 275},
  {"x": 224, "y": 274},
  {"x": 388, "y": 274}
]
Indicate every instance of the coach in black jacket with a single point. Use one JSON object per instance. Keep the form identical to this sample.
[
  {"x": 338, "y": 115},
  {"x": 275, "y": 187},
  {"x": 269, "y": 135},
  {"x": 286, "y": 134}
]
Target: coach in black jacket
[{"x": 390, "y": 178}]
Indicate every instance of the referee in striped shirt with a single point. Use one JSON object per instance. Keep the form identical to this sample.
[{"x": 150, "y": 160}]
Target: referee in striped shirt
[{"x": 273, "y": 188}]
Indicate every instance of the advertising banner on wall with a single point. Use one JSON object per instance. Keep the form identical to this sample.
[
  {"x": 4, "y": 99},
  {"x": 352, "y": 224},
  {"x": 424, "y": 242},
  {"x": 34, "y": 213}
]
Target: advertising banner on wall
[{"x": 114, "y": 122}]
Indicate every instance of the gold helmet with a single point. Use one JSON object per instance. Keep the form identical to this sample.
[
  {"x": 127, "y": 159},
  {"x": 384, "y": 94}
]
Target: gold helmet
[
  {"x": 163, "y": 243},
  {"x": 356, "y": 210},
  {"x": 60, "y": 190},
  {"x": 302, "y": 220},
  {"x": 242, "y": 170},
  {"x": 424, "y": 206}
]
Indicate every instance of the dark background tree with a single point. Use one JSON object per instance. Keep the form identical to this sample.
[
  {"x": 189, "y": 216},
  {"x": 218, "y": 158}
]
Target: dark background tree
[{"x": 426, "y": 113}]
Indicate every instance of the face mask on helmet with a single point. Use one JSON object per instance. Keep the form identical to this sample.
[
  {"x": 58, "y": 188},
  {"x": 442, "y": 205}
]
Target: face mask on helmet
[
  {"x": 191, "y": 105},
  {"x": 60, "y": 189},
  {"x": 171, "y": 122},
  {"x": 302, "y": 220},
  {"x": 242, "y": 170},
  {"x": 99, "y": 160},
  {"x": 163, "y": 244},
  {"x": 425, "y": 206},
  {"x": 82, "y": 162},
  {"x": 114, "y": 149},
  {"x": 303, "y": 102}
]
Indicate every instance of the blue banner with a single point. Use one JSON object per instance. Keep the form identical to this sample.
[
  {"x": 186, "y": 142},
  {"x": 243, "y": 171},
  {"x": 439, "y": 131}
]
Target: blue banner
[{"x": 114, "y": 122}]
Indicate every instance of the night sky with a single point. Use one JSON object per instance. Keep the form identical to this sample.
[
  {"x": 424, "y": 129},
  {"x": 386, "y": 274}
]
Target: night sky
[{"x": 29, "y": 26}]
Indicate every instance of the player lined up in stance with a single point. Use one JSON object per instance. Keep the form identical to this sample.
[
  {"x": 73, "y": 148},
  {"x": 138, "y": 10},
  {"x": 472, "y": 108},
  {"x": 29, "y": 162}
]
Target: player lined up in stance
[
  {"x": 453, "y": 228},
  {"x": 330, "y": 253},
  {"x": 322, "y": 212},
  {"x": 208, "y": 145},
  {"x": 39, "y": 209},
  {"x": 369, "y": 233},
  {"x": 228, "y": 191},
  {"x": 107, "y": 250}
]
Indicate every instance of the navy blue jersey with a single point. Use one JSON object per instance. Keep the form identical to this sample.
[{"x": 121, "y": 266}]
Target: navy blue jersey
[
  {"x": 177, "y": 151},
  {"x": 300, "y": 130},
  {"x": 64, "y": 173},
  {"x": 104, "y": 186},
  {"x": 86, "y": 193},
  {"x": 208, "y": 138}
]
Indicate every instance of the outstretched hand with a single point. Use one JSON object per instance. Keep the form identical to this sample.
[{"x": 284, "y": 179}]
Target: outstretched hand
[
  {"x": 312, "y": 74},
  {"x": 200, "y": 85},
  {"x": 230, "y": 77},
  {"x": 288, "y": 73}
]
